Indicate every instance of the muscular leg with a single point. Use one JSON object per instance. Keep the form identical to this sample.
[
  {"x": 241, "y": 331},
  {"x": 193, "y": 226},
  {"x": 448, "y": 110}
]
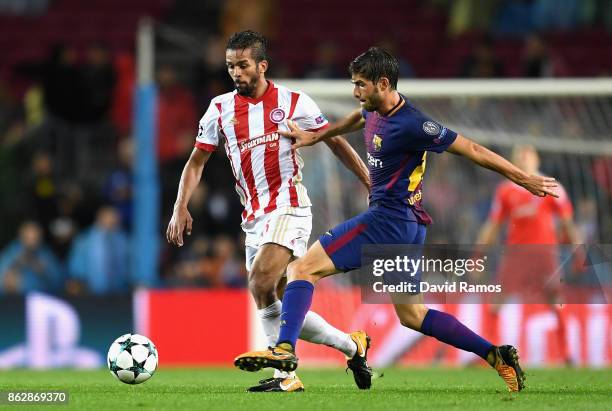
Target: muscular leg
[
  {"x": 268, "y": 268},
  {"x": 296, "y": 320},
  {"x": 266, "y": 282},
  {"x": 411, "y": 311},
  {"x": 280, "y": 287},
  {"x": 306, "y": 271},
  {"x": 444, "y": 327},
  {"x": 302, "y": 274},
  {"x": 313, "y": 266}
]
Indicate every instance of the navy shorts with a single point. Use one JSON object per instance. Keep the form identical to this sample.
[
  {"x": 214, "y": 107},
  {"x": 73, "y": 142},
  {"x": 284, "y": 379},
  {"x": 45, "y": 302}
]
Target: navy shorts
[{"x": 343, "y": 243}]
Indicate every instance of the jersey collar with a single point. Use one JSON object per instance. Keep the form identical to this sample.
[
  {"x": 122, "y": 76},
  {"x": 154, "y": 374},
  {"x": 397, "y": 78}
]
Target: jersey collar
[{"x": 395, "y": 109}]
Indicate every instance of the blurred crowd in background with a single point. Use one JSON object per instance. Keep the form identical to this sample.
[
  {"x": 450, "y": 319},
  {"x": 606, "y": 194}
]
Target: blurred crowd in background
[{"x": 66, "y": 84}]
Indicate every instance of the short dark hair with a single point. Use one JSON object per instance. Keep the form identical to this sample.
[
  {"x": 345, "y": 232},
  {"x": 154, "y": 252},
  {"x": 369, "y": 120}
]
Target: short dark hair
[
  {"x": 249, "y": 39},
  {"x": 374, "y": 64}
]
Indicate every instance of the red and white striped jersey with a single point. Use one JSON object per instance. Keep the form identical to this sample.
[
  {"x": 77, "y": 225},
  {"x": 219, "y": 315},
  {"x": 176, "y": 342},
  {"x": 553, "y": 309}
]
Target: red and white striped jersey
[{"x": 267, "y": 171}]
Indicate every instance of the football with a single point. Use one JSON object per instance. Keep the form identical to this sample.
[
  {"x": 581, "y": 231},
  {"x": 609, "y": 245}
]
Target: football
[{"x": 132, "y": 358}]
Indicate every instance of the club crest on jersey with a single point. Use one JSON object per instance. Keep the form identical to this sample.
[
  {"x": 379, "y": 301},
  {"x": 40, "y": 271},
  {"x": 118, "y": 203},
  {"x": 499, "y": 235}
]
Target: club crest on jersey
[
  {"x": 277, "y": 115},
  {"x": 377, "y": 142},
  {"x": 272, "y": 140},
  {"x": 431, "y": 128},
  {"x": 234, "y": 121}
]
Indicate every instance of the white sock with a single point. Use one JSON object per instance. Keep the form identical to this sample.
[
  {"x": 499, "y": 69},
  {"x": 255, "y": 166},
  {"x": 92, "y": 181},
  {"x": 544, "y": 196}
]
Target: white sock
[
  {"x": 270, "y": 321},
  {"x": 284, "y": 374},
  {"x": 317, "y": 330}
]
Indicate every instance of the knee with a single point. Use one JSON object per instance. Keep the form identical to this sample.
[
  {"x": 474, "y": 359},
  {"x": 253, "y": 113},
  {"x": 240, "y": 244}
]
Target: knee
[
  {"x": 413, "y": 317},
  {"x": 298, "y": 270},
  {"x": 261, "y": 286},
  {"x": 293, "y": 270}
]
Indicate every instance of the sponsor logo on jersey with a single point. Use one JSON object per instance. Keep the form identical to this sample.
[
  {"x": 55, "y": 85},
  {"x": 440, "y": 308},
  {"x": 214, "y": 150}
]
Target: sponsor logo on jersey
[
  {"x": 377, "y": 142},
  {"x": 271, "y": 139},
  {"x": 373, "y": 161},
  {"x": 431, "y": 128},
  {"x": 277, "y": 115},
  {"x": 321, "y": 119},
  {"x": 415, "y": 197}
]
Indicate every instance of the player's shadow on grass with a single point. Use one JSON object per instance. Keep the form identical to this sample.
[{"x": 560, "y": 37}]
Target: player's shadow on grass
[
  {"x": 489, "y": 390},
  {"x": 572, "y": 391},
  {"x": 430, "y": 390}
]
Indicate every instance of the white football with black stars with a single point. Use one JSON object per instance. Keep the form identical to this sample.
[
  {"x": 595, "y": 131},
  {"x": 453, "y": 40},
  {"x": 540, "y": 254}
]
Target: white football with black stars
[{"x": 132, "y": 358}]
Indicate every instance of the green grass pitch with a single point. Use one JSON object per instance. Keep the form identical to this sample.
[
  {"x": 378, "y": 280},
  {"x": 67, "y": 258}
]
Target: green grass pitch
[{"x": 329, "y": 389}]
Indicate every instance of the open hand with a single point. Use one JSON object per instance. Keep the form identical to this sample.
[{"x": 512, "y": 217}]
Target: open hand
[
  {"x": 300, "y": 137},
  {"x": 540, "y": 186},
  {"x": 181, "y": 221}
]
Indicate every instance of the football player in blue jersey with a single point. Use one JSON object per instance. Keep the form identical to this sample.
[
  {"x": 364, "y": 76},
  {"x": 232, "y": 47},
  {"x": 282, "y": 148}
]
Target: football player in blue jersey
[{"x": 398, "y": 137}]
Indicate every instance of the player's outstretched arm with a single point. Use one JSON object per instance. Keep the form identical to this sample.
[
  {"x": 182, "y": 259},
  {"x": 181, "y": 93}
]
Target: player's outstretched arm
[
  {"x": 181, "y": 219},
  {"x": 350, "y": 123},
  {"x": 535, "y": 184},
  {"x": 349, "y": 157}
]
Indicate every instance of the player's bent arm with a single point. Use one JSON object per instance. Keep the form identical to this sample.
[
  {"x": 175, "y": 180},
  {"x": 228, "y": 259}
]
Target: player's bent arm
[
  {"x": 573, "y": 235},
  {"x": 349, "y": 157},
  {"x": 181, "y": 219},
  {"x": 571, "y": 231},
  {"x": 488, "y": 233},
  {"x": 353, "y": 122},
  {"x": 535, "y": 184},
  {"x": 192, "y": 173}
]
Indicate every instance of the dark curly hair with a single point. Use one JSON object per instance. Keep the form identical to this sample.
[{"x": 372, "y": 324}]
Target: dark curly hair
[
  {"x": 374, "y": 64},
  {"x": 249, "y": 39}
]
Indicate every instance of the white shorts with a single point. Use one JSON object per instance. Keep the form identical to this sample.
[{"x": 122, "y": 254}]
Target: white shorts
[{"x": 286, "y": 226}]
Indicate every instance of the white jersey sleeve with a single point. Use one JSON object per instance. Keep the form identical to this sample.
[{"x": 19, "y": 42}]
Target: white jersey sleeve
[
  {"x": 307, "y": 114},
  {"x": 208, "y": 129}
]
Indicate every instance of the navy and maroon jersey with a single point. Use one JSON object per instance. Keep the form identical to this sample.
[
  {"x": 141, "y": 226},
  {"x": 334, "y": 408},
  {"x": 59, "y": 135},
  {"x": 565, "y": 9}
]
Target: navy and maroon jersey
[{"x": 397, "y": 148}]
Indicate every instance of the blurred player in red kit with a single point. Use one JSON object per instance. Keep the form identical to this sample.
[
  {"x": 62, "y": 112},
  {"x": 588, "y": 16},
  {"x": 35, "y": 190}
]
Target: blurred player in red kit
[{"x": 542, "y": 222}]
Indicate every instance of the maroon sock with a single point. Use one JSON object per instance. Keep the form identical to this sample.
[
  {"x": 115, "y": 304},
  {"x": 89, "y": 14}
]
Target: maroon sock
[{"x": 446, "y": 328}]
